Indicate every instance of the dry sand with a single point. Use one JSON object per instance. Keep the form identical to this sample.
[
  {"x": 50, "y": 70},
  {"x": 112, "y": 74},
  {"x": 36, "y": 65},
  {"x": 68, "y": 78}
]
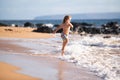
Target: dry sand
[
  {"x": 32, "y": 67},
  {"x": 20, "y": 32}
]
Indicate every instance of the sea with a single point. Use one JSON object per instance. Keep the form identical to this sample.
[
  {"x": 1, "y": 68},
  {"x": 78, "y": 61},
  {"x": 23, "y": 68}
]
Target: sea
[
  {"x": 96, "y": 22},
  {"x": 95, "y": 53}
]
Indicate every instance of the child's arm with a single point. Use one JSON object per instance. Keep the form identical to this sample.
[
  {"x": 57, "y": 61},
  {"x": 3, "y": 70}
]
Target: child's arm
[
  {"x": 59, "y": 27},
  {"x": 71, "y": 25}
]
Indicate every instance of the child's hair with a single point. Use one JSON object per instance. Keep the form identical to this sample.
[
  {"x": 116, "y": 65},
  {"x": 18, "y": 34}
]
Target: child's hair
[{"x": 66, "y": 18}]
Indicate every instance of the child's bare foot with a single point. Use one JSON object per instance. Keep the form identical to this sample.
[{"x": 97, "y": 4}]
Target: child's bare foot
[{"x": 62, "y": 52}]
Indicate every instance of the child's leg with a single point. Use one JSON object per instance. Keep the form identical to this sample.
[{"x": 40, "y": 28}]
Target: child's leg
[{"x": 64, "y": 45}]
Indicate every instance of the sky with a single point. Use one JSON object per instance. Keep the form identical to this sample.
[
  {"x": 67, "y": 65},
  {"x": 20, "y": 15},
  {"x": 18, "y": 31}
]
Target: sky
[{"x": 29, "y": 9}]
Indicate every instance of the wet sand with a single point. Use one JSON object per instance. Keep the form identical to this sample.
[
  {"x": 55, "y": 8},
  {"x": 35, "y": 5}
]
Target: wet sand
[
  {"x": 7, "y": 72},
  {"x": 33, "y": 67}
]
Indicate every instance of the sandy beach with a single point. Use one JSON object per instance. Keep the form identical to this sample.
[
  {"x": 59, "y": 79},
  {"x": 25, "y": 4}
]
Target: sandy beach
[
  {"x": 17, "y": 63},
  {"x": 20, "y": 32}
]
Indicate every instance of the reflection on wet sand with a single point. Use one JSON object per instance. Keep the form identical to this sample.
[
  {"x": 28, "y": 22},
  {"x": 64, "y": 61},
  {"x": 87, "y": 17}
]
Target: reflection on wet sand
[{"x": 60, "y": 70}]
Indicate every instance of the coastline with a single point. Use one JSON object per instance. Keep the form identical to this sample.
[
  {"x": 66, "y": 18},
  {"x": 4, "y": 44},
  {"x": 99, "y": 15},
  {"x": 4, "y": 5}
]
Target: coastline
[{"x": 40, "y": 67}]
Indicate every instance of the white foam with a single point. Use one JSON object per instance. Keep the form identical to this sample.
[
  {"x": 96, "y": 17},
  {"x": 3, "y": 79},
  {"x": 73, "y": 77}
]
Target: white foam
[
  {"x": 41, "y": 46},
  {"x": 49, "y": 25},
  {"x": 94, "y": 53}
]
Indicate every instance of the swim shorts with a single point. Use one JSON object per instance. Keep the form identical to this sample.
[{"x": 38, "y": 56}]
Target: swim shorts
[{"x": 64, "y": 36}]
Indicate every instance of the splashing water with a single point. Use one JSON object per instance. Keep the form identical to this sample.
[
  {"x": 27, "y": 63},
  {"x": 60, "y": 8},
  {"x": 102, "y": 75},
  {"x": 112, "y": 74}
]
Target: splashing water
[{"x": 97, "y": 54}]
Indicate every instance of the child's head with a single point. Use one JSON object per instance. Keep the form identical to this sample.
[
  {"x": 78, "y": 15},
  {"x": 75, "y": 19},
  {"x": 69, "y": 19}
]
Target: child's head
[{"x": 66, "y": 18}]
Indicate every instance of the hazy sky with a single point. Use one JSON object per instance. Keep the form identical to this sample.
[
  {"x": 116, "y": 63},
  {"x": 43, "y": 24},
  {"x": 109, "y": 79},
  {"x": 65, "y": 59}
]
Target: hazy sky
[{"x": 28, "y": 9}]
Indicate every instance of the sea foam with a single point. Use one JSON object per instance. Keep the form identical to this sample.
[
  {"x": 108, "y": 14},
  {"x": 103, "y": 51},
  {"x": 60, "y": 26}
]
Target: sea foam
[{"x": 97, "y": 54}]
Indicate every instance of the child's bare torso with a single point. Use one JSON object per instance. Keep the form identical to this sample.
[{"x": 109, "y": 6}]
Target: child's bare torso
[{"x": 66, "y": 28}]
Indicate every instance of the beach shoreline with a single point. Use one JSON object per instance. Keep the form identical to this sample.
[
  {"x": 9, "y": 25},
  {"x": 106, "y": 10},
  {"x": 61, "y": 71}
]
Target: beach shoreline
[
  {"x": 42, "y": 66},
  {"x": 35, "y": 66}
]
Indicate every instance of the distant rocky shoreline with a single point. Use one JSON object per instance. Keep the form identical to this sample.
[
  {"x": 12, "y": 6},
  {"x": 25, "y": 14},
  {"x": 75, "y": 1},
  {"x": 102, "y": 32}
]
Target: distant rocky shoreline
[{"x": 79, "y": 28}]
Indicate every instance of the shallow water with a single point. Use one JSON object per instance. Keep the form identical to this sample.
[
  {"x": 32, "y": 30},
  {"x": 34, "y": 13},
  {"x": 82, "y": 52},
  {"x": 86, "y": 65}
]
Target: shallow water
[{"x": 98, "y": 54}]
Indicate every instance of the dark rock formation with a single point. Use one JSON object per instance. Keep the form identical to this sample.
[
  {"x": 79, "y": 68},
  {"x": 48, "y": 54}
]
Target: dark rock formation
[
  {"x": 28, "y": 24},
  {"x": 2, "y": 24},
  {"x": 106, "y": 36},
  {"x": 44, "y": 29},
  {"x": 91, "y": 30},
  {"x": 110, "y": 28},
  {"x": 85, "y": 27}
]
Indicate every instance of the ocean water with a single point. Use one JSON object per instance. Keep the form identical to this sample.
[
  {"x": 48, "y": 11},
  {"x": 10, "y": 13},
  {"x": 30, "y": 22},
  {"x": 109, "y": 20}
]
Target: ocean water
[
  {"x": 96, "y": 22},
  {"x": 99, "y": 55}
]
